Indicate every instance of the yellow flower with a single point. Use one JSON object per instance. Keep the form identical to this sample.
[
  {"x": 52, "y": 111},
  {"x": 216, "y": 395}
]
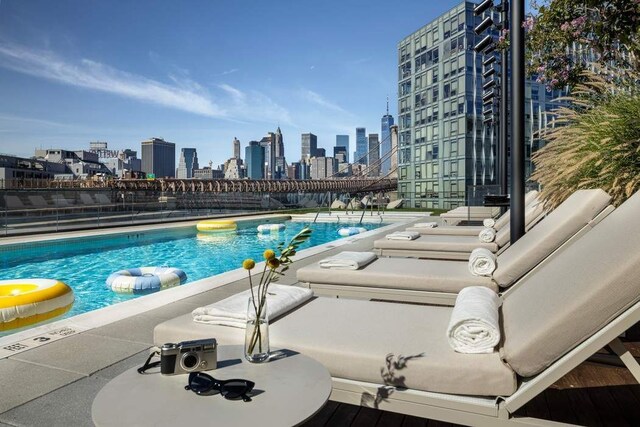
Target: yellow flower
[
  {"x": 274, "y": 263},
  {"x": 269, "y": 254},
  {"x": 248, "y": 264}
]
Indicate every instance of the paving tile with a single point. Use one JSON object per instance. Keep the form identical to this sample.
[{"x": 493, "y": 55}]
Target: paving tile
[
  {"x": 113, "y": 371},
  {"x": 136, "y": 328},
  {"x": 31, "y": 382},
  {"x": 66, "y": 406},
  {"x": 83, "y": 353},
  {"x": 171, "y": 310}
]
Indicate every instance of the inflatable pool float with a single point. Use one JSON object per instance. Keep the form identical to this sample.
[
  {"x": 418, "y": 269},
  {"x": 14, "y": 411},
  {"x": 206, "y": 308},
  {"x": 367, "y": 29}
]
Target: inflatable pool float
[
  {"x": 24, "y": 302},
  {"x": 351, "y": 231},
  {"x": 145, "y": 279},
  {"x": 266, "y": 228},
  {"x": 215, "y": 225}
]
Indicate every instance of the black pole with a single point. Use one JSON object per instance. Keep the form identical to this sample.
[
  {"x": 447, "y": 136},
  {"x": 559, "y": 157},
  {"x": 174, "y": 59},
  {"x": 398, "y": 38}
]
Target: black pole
[
  {"x": 517, "y": 120},
  {"x": 504, "y": 99}
]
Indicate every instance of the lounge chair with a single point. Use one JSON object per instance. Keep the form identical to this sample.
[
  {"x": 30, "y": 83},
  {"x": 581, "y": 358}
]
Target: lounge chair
[
  {"x": 577, "y": 303},
  {"x": 473, "y": 230},
  {"x": 453, "y": 246},
  {"x": 469, "y": 213},
  {"x": 439, "y": 281}
]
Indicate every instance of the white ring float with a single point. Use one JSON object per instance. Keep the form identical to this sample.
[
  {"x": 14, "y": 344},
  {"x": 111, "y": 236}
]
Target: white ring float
[
  {"x": 145, "y": 279},
  {"x": 265, "y": 228},
  {"x": 351, "y": 231}
]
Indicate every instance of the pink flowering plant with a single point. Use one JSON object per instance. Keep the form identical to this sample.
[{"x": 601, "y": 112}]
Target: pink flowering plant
[{"x": 564, "y": 37}]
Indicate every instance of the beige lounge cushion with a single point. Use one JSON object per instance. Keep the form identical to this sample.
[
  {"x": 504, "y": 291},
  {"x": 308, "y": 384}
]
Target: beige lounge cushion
[
  {"x": 352, "y": 339},
  {"x": 529, "y": 199},
  {"x": 401, "y": 273},
  {"x": 437, "y": 243},
  {"x": 575, "y": 294},
  {"x": 471, "y": 230},
  {"x": 562, "y": 223}
]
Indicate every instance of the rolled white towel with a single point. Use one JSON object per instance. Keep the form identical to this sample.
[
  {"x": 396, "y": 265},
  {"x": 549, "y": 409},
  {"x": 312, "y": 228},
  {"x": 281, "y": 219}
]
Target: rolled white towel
[
  {"x": 348, "y": 260},
  {"x": 482, "y": 262},
  {"x": 426, "y": 224},
  {"x": 474, "y": 326},
  {"x": 403, "y": 235},
  {"x": 489, "y": 222},
  {"x": 487, "y": 235},
  {"x": 232, "y": 311}
]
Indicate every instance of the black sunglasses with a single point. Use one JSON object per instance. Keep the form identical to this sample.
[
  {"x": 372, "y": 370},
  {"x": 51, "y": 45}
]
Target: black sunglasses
[{"x": 204, "y": 384}]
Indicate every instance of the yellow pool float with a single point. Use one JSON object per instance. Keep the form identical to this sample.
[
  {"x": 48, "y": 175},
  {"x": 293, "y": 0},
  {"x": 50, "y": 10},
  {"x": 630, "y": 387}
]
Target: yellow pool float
[
  {"x": 24, "y": 302},
  {"x": 216, "y": 225}
]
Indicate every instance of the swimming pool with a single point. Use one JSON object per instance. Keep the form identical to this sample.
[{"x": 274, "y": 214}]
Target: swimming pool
[{"x": 85, "y": 263}]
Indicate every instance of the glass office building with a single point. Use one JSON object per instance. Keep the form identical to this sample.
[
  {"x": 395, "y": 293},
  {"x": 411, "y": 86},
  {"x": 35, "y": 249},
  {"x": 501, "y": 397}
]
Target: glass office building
[
  {"x": 445, "y": 149},
  {"x": 343, "y": 141},
  {"x": 362, "y": 147}
]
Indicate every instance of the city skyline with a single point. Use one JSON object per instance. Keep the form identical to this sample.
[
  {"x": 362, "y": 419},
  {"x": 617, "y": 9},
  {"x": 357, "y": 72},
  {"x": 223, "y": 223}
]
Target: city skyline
[{"x": 92, "y": 73}]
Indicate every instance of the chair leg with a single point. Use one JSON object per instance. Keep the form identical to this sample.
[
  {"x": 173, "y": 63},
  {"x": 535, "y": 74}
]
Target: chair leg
[{"x": 627, "y": 358}]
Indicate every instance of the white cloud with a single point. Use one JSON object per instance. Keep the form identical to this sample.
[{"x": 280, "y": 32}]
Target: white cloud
[
  {"x": 318, "y": 99},
  {"x": 231, "y": 71},
  {"x": 184, "y": 94}
]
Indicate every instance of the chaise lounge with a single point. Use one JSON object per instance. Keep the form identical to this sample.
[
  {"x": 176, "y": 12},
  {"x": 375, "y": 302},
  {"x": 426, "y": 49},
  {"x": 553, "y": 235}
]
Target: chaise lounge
[
  {"x": 454, "y": 246},
  {"x": 473, "y": 230},
  {"x": 438, "y": 281},
  {"x": 595, "y": 289}
]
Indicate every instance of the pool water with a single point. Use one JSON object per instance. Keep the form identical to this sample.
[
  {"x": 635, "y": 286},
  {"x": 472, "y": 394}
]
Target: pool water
[{"x": 85, "y": 263}]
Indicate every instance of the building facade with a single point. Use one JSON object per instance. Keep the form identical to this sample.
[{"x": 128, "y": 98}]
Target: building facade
[
  {"x": 255, "y": 160},
  {"x": 343, "y": 141},
  {"x": 309, "y": 146},
  {"x": 236, "y": 148},
  {"x": 385, "y": 144},
  {"x": 323, "y": 167},
  {"x": 360, "y": 155},
  {"x": 187, "y": 164},
  {"x": 445, "y": 150},
  {"x": 374, "y": 155},
  {"x": 159, "y": 158}
]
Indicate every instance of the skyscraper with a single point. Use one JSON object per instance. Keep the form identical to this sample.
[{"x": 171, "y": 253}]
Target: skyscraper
[
  {"x": 374, "y": 155},
  {"x": 343, "y": 141},
  {"x": 269, "y": 144},
  {"x": 309, "y": 146},
  {"x": 361, "y": 146},
  {"x": 236, "y": 148},
  {"x": 281, "y": 168},
  {"x": 255, "y": 159},
  {"x": 159, "y": 158},
  {"x": 444, "y": 148},
  {"x": 187, "y": 164},
  {"x": 385, "y": 144}
]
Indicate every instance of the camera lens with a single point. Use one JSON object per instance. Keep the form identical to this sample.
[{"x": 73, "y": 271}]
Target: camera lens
[{"x": 190, "y": 361}]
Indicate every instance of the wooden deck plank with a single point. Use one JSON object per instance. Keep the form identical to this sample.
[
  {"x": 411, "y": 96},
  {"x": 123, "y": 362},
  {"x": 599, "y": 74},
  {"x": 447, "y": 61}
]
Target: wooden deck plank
[
  {"x": 559, "y": 406},
  {"x": 583, "y": 407},
  {"x": 344, "y": 415},
  {"x": 411, "y": 421},
  {"x": 606, "y": 406},
  {"x": 628, "y": 401},
  {"x": 390, "y": 419},
  {"x": 366, "y": 417},
  {"x": 536, "y": 407},
  {"x": 323, "y": 416}
]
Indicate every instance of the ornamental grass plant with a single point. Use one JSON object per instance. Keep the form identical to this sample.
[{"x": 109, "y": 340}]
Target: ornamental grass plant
[{"x": 593, "y": 143}]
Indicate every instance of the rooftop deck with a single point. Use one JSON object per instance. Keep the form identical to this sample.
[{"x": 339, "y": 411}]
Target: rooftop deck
[{"x": 55, "y": 384}]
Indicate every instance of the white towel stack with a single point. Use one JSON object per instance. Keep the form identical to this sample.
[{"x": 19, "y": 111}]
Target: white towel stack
[
  {"x": 426, "y": 224},
  {"x": 348, "y": 260},
  {"x": 475, "y": 325},
  {"x": 232, "y": 311},
  {"x": 403, "y": 235},
  {"x": 487, "y": 235},
  {"x": 482, "y": 262},
  {"x": 489, "y": 222}
]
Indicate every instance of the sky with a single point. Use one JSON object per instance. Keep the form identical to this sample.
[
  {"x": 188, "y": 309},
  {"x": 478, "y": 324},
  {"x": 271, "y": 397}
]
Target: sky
[{"x": 198, "y": 73}]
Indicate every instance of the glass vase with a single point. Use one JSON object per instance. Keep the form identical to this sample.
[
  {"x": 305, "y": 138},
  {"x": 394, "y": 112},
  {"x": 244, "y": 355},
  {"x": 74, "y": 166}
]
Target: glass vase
[{"x": 256, "y": 338}]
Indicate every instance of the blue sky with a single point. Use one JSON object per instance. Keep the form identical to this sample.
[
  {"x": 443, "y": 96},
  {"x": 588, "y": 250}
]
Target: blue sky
[{"x": 198, "y": 73}]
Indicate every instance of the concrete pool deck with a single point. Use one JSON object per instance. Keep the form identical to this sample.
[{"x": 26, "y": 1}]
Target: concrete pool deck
[{"x": 55, "y": 379}]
